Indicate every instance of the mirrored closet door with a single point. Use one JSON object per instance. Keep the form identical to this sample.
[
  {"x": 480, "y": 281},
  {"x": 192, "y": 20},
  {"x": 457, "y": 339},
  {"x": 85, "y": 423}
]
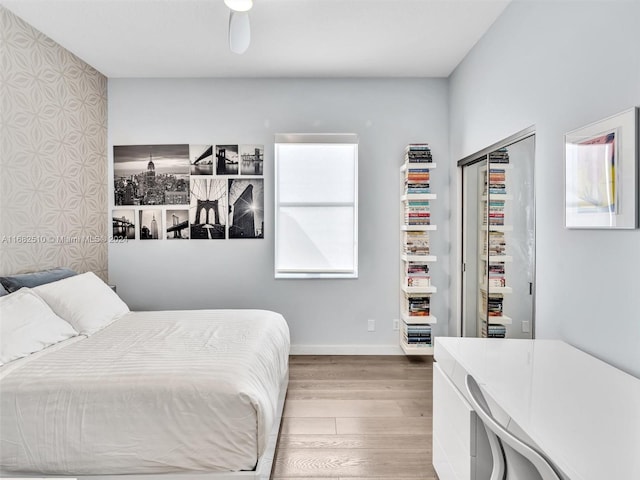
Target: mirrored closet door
[{"x": 498, "y": 240}]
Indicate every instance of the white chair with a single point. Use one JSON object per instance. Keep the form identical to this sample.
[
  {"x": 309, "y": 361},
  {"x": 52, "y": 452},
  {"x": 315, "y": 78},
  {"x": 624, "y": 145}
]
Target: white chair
[{"x": 512, "y": 458}]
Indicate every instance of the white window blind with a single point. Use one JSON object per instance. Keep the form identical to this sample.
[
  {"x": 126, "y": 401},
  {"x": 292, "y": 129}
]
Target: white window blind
[{"x": 316, "y": 211}]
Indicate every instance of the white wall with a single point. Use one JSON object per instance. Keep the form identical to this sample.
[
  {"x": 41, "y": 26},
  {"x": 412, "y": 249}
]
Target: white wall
[
  {"x": 386, "y": 114},
  {"x": 560, "y": 65}
]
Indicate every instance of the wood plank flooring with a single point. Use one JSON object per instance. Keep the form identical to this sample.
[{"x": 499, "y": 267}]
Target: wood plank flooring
[{"x": 356, "y": 418}]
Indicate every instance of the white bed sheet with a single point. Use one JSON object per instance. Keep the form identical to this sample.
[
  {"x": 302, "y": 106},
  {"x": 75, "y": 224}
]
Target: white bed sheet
[{"x": 154, "y": 392}]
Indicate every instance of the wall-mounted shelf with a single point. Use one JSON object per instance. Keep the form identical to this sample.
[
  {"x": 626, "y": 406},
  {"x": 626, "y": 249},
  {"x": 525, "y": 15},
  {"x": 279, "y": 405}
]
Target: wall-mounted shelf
[
  {"x": 418, "y": 320},
  {"x": 415, "y": 253},
  {"x": 497, "y": 259},
  {"x": 497, "y": 319},
  {"x": 418, "y": 196},
  {"x": 418, "y": 228},
  {"x": 418, "y": 258},
  {"x": 416, "y": 290},
  {"x": 496, "y": 290},
  {"x": 429, "y": 165}
]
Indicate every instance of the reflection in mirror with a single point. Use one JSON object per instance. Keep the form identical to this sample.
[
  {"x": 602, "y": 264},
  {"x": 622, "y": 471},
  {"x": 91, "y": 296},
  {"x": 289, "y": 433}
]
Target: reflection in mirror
[{"x": 499, "y": 242}]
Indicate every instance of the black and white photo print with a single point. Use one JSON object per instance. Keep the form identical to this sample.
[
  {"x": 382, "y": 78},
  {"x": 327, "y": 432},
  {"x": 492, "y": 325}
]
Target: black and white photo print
[
  {"x": 150, "y": 222},
  {"x": 246, "y": 208},
  {"x": 201, "y": 159},
  {"x": 227, "y": 160},
  {"x": 151, "y": 174},
  {"x": 208, "y": 208},
  {"x": 251, "y": 159},
  {"x": 177, "y": 224},
  {"x": 124, "y": 224}
]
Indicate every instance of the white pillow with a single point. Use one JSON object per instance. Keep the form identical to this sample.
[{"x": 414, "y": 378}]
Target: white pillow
[
  {"x": 85, "y": 301},
  {"x": 28, "y": 325}
]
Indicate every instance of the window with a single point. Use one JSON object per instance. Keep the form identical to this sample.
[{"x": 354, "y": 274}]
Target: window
[{"x": 316, "y": 212}]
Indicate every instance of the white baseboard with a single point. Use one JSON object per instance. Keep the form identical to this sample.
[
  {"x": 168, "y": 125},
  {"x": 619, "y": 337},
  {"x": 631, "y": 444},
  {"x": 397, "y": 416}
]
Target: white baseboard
[{"x": 346, "y": 350}]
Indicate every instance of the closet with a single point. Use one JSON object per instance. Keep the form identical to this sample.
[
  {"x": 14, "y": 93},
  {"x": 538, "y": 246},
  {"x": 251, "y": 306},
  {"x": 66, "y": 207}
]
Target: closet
[{"x": 498, "y": 239}]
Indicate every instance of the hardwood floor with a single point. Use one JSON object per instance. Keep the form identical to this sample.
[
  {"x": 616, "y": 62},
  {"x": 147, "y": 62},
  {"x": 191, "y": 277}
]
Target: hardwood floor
[{"x": 356, "y": 418}]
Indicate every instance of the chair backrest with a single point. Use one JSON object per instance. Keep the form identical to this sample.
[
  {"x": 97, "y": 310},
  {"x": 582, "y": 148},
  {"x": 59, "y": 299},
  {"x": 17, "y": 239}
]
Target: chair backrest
[{"x": 536, "y": 458}]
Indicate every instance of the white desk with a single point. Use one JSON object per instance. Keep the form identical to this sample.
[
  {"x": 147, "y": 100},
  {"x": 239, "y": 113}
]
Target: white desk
[{"x": 583, "y": 413}]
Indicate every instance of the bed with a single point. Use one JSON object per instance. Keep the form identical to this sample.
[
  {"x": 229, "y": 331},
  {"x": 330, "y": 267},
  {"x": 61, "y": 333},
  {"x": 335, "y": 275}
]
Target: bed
[{"x": 178, "y": 394}]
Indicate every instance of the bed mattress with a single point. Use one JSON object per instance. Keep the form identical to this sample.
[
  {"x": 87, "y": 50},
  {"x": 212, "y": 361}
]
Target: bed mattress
[{"x": 154, "y": 392}]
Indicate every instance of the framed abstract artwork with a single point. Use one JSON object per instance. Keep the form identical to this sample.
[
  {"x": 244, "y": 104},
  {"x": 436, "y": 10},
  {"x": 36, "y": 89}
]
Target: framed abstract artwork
[{"x": 601, "y": 173}]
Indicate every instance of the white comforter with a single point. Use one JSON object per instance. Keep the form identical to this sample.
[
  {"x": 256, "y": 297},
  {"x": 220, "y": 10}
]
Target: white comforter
[{"x": 153, "y": 392}]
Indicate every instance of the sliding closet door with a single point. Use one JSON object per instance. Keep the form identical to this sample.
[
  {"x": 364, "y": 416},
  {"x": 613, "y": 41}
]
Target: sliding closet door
[
  {"x": 498, "y": 251},
  {"x": 472, "y": 223}
]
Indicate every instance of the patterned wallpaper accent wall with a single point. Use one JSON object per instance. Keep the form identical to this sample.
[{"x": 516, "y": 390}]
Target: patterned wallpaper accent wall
[{"x": 53, "y": 155}]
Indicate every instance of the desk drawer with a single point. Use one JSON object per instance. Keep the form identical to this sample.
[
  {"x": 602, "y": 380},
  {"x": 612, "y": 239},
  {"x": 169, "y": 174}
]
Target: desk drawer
[{"x": 454, "y": 430}]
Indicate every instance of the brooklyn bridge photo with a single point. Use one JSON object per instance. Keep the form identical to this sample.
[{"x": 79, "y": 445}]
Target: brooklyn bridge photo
[{"x": 208, "y": 208}]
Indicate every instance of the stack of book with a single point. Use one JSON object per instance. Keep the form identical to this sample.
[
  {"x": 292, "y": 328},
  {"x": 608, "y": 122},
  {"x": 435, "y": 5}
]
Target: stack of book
[
  {"x": 417, "y": 212},
  {"x": 417, "y": 275},
  {"x": 418, "y": 306},
  {"x": 496, "y": 275},
  {"x": 418, "y": 153},
  {"x": 495, "y": 214},
  {"x": 496, "y": 331},
  {"x": 416, "y": 243},
  {"x": 497, "y": 180},
  {"x": 491, "y": 304},
  {"x": 497, "y": 244},
  {"x": 417, "y": 180},
  {"x": 499, "y": 156},
  {"x": 418, "y": 335},
  {"x": 495, "y": 305},
  {"x": 495, "y": 185}
]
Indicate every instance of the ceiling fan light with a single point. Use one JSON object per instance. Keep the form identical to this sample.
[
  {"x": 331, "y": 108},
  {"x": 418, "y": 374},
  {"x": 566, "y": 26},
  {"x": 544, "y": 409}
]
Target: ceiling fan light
[
  {"x": 239, "y": 5},
  {"x": 239, "y": 32}
]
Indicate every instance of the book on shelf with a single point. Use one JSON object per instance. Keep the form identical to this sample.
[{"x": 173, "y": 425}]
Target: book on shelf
[
  {"x": 417, "y": 281},
  {"x": 418, "y": 173},
  {"x": 495, "y": 180},
  {"x": 418, "y": 341},
  {"x": 494, "y": 213},
  {"x": 497, "y": 245},
  {"x": 416, "y": 212},
  {"x": 416, "y": 243},
  {"x": 492, "y": 304},
  {"x": 496, "y": 275},
  {"x": 414, "y": 334},
  {"x": 499, "y": 156},
  {"x": 417, "y": 274},
  {"x": 417, "y": 147},
  {"x": 496, "y": 331},
  {"x": 418, "y": 305},
  {"x": 418, "y": 153}
]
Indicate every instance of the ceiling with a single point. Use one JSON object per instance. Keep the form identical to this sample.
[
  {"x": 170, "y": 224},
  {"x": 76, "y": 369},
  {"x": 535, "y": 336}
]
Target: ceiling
[{"x": 289, "y": 38}]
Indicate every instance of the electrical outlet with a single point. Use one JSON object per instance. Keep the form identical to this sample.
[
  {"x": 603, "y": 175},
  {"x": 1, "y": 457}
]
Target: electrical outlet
[
  {"x": 525, "y": 326},
  {"x": 371, "y": 325},
  {"x": 396, "y": 324}
]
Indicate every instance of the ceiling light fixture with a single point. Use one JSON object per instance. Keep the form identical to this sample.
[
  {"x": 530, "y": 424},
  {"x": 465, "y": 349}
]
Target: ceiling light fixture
[{"x": 239, "y": 28}]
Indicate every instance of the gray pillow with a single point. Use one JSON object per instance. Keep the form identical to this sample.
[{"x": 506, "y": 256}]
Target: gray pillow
[
  {"x": 3, "y": 292},
  {"x": 16, "y": 282}
]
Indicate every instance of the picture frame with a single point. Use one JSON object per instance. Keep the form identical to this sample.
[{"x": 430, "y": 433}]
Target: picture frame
[{"x": 601, "y": 173}]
